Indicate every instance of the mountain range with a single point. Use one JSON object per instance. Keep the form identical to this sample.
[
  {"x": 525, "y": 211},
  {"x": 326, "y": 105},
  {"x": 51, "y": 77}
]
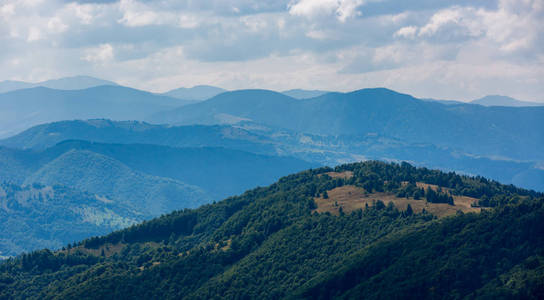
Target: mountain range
[
  {"x": 261, "y": 140},
  {"x": 65, "y": 83},
  {"x": 143, "y": 195},
  {"x": 368, "y": 230},
  {"x": 24, "y": 108},
  {"x": 483, "y": 131}
]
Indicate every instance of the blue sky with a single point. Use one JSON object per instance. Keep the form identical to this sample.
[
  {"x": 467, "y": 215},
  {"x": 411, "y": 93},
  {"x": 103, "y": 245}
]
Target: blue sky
[{"x": 429, "y": 48}]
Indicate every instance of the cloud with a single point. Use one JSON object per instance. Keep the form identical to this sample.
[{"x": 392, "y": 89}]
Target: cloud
[
  {"x": 102, "y": 53},
  {"x": 56, "y": 25},
  {"x": 136, "y": 14},
  {"x": 442, "y": 49},
  {"x": 513, "y": 26},
  {"x": 407, "y": 32},
  {"x": 343, "y": 9}
]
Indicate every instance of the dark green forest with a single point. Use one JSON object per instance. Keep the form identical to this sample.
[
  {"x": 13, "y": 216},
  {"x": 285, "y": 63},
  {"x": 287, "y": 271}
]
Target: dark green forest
[{"x": 270, "y": 243}]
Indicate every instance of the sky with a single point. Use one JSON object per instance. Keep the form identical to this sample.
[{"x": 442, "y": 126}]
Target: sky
[{"x": 439, "y": 49}]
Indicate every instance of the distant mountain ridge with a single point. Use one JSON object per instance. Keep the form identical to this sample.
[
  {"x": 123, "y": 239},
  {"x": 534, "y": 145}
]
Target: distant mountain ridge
[
  {"x": 65, "y": 83},
  {"x": 198, "y": 92},
  {"x": 491, "y": 131},
  {"x": 304, "y": 94},
  {"x": 258, "y": 139},
  {"x": 497, "y": 100},
  {"x": 24, "y": 108}
]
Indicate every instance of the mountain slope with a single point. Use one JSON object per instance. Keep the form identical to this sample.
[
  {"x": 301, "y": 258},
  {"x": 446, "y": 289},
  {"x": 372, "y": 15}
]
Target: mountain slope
[
  {"x": 101, "y": 175},
  {"x": 272, "y": 243},
  {"x": 231, "y": 107},
  {"x": 497, "y": 100},
  {"x": 66, "y": 83},
  {"x": 220, "y": 172},
  {"x": 22, "y": 109},
  {"x": 197, "y": 93},
  {"x": 514, "y": 133},
  {"x": 37, "y": 216}
]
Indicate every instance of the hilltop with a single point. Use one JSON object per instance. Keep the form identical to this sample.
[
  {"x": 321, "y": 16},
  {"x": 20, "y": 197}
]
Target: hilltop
[{"x": 274, "y": 242}]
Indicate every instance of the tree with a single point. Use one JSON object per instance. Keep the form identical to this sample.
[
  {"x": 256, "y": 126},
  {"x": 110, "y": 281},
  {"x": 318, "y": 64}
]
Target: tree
[
  {"x": 325, "y": 195},
  {"x": 409, "y": 210}
]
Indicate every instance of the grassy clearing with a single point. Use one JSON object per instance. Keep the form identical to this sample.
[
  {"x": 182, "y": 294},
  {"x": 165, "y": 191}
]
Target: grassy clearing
[{"x": 350, "y": 198}]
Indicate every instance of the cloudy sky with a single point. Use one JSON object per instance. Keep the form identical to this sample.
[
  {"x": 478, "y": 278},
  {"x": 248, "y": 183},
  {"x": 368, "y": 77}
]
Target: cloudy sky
[{"x": 428, "y": 48}]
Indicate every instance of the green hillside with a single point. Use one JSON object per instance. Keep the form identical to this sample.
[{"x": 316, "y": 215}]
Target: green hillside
[
  {"x": 37, "y": 216},
  {"x": 274, "y": 243},
  {"x": 107, "y": 177}
]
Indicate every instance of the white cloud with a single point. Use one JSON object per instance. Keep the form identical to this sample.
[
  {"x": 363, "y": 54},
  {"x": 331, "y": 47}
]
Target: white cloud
[
  {"x": 440, "y": 19},
  {"x": 136, "y": 14},
  {"x": 438, "y": 51},
  {"x": 102, "y": 53},
  {"x": 515, "y": 25},
  {"x": 56, "y": 25},
  {"x": 343, "y": 9},
  {"x": 407, "y": 32},
  {"x": 34, "y": 34},
  {"x": 7, "y": 10}
]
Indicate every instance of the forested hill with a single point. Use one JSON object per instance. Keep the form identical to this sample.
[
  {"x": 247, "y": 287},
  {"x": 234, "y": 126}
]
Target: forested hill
[{"x": 367, "y": 230}]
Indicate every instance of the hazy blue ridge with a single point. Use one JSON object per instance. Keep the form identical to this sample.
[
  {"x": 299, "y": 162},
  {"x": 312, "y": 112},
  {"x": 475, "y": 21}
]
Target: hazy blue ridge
[{"x": 22, "y": 109}]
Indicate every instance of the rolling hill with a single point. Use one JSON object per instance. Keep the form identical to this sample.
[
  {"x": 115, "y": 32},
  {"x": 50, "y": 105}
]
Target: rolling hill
[
  {"x": 22, "y": 109},
  {"x": 132, "y": 181},
  {"x": 220, "y": 172},
  {"x": 104, "y": 176},
  {"x": 37, "y": 216},
  {"x": 275, "y": 242},
  {"x": 478, "y": 130}
]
